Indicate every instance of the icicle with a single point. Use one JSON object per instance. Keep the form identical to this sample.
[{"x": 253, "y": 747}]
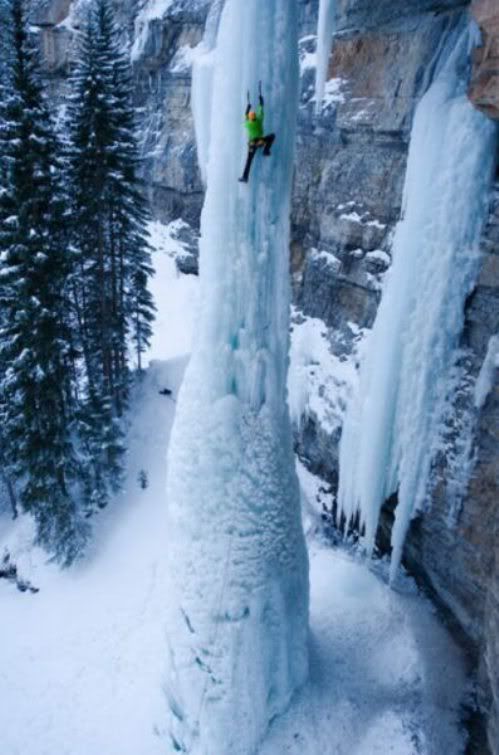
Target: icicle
[
  {"x": 486, "y": 376},
  {"x": 327, "y": 19},
  {"x": 202, "y": 85},
  {"x": 394, "y": 416}
]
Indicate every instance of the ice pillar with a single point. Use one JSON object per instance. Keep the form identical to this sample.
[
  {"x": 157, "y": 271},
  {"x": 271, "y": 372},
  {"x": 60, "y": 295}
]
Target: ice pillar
[{"x": 238, "y": 622}]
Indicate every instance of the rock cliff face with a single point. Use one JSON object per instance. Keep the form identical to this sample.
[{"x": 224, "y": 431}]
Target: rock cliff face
[
  {"x": 350, "y": 171},
  {"x": 484, "y": 87},
  {"x": 162, "y": 66},
  {"x": 458, "y": 556},
  {"x": 350, "y": 167}
]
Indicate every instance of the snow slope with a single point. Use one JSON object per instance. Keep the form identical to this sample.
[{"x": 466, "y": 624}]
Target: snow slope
[
  {"x": 175, "y": 295},
  {"x": 82, "y": 662},
  {"x": 383, "y": 678}
]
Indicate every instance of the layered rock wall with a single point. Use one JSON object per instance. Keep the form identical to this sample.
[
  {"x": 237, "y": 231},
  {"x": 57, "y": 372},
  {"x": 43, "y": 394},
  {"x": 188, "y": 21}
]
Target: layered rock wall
[
  {"x": 484, "y": 86},
  {"x": 162, "y": 72}
]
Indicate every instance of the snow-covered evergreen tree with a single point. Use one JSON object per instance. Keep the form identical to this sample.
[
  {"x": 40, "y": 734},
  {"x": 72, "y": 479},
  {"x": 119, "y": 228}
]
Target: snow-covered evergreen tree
[
  {"x": 110, "y": 292},
  {"x": 36, "y": 395},
  {"x": 5, "y": 33},
  {"x": 6, "y": 76},
  {"x": 130, "y": 210}
]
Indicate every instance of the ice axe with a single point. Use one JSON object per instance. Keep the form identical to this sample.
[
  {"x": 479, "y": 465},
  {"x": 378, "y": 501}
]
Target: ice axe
[{"x": 260, "y": 95}]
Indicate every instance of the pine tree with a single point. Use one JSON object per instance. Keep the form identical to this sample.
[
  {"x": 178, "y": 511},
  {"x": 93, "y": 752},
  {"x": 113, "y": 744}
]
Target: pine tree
[
  {"x": 110, "y": 217},
  {"x": 6, "y": 35},
  {"x": 5, "y": 39},
  {"x": 36, "y": 394},
  {"x": 131, "y": 212}
]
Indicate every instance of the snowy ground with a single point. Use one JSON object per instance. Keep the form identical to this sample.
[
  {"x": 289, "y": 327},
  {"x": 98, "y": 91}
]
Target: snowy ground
[
  {"x": 384, "y": 676},
  {"x": 82, "y": 661}
]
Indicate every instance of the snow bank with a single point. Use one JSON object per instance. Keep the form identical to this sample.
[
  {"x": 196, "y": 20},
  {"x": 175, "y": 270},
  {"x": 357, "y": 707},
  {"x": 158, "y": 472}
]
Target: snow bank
[
  {"x": 238, "y": 626},
  {"x": 175, "y": 295},
  {"x": 383, "y": 676},
  {"x": 83, "y": 659},
  {"x": 391, "y": 423},
  {"x": 88, "y": 680}
]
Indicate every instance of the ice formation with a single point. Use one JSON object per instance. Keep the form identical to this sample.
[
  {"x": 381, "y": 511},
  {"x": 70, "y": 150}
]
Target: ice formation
[
  {"x": 202, "y": 85},
  {"x": 238, "y": 623},
  {"x": 486, "y": 376},
  {"x": 394, "y": 415},
  {"x": 150, "y": 10},
  {"x": 327, "y": 19}
]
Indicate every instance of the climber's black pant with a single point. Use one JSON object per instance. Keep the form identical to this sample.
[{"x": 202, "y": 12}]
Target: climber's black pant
[{"x": 266, "y": 142}]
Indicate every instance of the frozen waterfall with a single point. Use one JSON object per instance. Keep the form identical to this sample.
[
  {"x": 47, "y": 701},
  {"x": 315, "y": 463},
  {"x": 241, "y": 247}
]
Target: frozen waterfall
[
  {"x": 393, "y": 418},
  {"x": 327, "y": 20},
  {"x": 238, "y": 626}
]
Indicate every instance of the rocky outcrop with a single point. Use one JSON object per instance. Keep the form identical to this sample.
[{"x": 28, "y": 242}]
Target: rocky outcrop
[
  {"x": 365, "y": 15},
  {"x": 162, "y": 70},
  {"x": 454, "y": 548},
  {"x": 484, "y": 87},
  {"x": 54, "y": 35}
]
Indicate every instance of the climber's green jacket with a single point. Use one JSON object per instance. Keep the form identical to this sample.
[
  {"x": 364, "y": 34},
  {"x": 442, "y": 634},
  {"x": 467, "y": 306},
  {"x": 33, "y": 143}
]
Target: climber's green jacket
[{"x": 254, "y": 127}]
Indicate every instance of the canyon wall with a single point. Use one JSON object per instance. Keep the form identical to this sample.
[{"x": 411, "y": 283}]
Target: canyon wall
[
  {"x": 350, "y": 167},
  {"x": 484, "y": 86},
  {"x": 349, "y": 178}
]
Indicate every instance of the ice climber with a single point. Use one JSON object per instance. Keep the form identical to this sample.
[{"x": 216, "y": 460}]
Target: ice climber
[{"x": 256, "y": 137}]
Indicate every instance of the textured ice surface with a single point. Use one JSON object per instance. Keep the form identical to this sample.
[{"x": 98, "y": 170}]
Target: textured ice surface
[
  {"x": 238, "y": 625},
  {"x": 391, "y": 422},
  {"x": 202, "y": 85}
]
